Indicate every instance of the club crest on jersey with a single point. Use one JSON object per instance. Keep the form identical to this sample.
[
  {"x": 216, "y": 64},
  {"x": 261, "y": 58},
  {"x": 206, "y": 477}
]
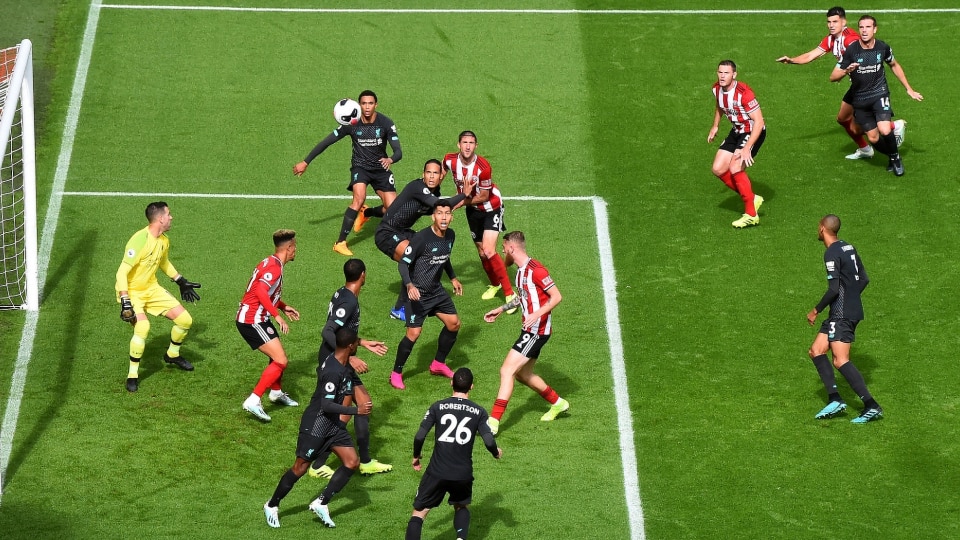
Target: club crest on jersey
[{"x": 377, "y": 133}]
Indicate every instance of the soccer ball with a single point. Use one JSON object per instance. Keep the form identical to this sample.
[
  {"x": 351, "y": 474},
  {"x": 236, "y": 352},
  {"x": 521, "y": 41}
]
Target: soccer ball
[{"x": 346, "y": 112}]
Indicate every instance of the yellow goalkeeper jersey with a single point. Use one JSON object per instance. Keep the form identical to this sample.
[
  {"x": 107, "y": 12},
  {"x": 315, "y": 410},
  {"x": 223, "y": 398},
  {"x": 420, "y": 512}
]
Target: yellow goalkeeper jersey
[{"x": 144, "y": 255}]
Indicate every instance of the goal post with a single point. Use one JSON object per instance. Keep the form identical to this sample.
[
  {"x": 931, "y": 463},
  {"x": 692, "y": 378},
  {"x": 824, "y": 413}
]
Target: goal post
[{"x": 19, "y": 287}]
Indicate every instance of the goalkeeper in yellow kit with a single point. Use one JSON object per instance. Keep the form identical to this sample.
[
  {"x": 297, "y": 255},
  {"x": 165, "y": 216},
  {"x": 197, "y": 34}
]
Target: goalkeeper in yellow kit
[{"x": 139, "y": 293}]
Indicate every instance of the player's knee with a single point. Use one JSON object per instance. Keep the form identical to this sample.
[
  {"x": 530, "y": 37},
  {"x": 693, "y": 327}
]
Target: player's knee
[
  {"x": 718, "y": 171},
  {"x": 141, "y": 328},
  {"x": 453, "y": 326},
  {"x": 839, "y": 362},
  {"x": 413, "y": 334},
  {"x": 183, "y": 320},
  {"x": 352, "y": 461}
]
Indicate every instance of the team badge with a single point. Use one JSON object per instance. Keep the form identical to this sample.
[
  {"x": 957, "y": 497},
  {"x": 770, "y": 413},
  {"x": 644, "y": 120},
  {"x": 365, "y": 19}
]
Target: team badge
[{"x": 269, "y": 330}]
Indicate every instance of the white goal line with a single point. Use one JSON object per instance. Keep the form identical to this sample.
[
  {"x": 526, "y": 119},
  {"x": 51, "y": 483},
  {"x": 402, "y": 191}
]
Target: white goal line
[{"x": 518, "y": 11}]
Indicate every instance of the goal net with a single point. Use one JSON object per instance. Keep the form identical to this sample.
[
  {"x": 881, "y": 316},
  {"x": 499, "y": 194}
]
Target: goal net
[{"x": 18, "y": 181}]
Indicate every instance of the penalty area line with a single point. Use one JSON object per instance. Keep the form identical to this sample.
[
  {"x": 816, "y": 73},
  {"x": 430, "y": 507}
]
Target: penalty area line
[{"x": 269, "y": 196}]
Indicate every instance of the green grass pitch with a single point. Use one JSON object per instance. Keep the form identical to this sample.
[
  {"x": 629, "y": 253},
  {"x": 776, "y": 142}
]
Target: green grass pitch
[{"x": 616, "y": 106}]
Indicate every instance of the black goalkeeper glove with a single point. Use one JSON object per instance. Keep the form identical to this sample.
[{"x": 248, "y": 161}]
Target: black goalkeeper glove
[
  {"x": 187, "y": 292},
  {"x": 126, "y": 310}
]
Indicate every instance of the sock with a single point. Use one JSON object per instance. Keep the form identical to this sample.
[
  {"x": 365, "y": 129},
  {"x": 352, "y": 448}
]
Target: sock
[
  {"x": 890, "y": 141},
  {"x": 848, "y": 126},
  {"x": 855, "y": 379},
  {"x": 275, "y": 387},
  {"x": 461, "y": 522},
  {"x": 134, "y": 368},
  {"x": 549, "y": 395},
  {"x": 499, "y": 407},
  {"x": 727, "y": 179},
  {"x": 827, "y": 375},
  {"x": 139, "y": 339},
  {"x": 349, "y": 216},
  {"x": 403, "y": 352},
  {"x": 490, "y": 271},
  {"x": 321, "y": 460},
  {"x": 745, "y": 190},
  {"x": 361, "y": 427},
  {"x": 402, "y": 298},
  {"x": 337, "y": 482},
  {"x": 376, "y": 211},
  {"x": 286, "y": 483},
  {"x": 414, "y": 528},
  {"x": 181, "y": 325},
  {"x": 267, "y": 378},
  {"x": 445, "y": 344},
  {"x": 500, "y": 270}
]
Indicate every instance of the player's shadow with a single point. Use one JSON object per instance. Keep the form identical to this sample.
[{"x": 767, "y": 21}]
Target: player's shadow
[
  {"x": 487, "y": 512},
  {"x": 735, "y": 203},
  {"x": 530, "y": 403},
  {"x": 152, "y": 360},
  {"x": 74, "y": 268},
  {"x": 865, "y": 364}
]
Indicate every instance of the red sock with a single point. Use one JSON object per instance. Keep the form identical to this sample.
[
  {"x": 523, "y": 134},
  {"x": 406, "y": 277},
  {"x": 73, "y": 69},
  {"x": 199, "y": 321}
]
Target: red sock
[
  {"x": 857, "y": 137},
  {"x": 270, "y": 375},
  {"x": 549, "y": 395},
  {"x": 276, "y": 383},
  {"x": 499, "y": 406},
  {"x": 500, "y": 272},
  {"x": 727, "y": 179},
  {"x": 488, "y": 268},
  {"x": 746, "y": 192}
]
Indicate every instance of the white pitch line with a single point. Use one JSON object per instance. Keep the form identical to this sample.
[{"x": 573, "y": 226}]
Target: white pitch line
[
  {"x": 628, "y": 454},
  {"x": 270, "y": 196},
  {"x": 518, "y": 11},
  {"x": 12, "y": 412}
]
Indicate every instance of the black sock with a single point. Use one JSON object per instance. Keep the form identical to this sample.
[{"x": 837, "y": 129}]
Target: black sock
[
  {"x": 890, "y": 140},
  {"x": 461, "y": 521},
  {"x": 337, "y": 482},
  {"x": 361, "y": 426},
  {"x": 855, "y": 379},
  {"x": 349, "y": 216},
  {"x": 321, "y": 460},
  {"x": 829, "y": 378},
  {"x": 445, "y": 344},
  {"x": 286, "y": 483},
  {"x": 414, "y": 528},
  {"x": 376, "y": 211},
  {"x": 402, "y": 298},
  {"x": 403, "y": 353}
]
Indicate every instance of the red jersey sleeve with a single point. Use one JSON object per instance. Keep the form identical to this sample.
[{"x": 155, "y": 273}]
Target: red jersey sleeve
[{"x": 541, "y": 276}]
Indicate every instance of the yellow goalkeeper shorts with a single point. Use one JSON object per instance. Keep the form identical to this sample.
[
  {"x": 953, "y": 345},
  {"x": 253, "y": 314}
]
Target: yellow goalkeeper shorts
[{"x": 156, "y": 301}]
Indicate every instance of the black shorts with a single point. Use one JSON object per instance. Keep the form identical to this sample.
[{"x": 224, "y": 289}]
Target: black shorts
[
  {"x": 868, "y": 114},
  {"x": 387, "y": 239},
  {"x": 736, "y": 141},
  {"x": 310, "y": 446},
  {"x": 259, "y": 334},
  {"x": 842, "y": 330},
  {"x": 480, "y": 221},
  {"x": 529, "y": 344},
  {"x": 378, "y": 180},
  {"x": 431, "y": 491},
  {"x": 427, "y": 307}
]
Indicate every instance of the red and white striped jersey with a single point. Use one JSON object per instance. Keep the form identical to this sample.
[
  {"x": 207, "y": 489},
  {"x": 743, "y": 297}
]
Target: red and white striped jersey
[
  {"x": 533, "y": 281},
  {"x": 268, "y": 274},
  {"x": 480, "y": 171},
  {"x": 836, "y": 46},
  {"x": 737, "y": 104}
]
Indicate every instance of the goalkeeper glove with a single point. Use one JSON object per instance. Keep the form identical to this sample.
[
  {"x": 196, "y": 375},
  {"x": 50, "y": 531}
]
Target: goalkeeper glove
[
  {"x": 126, "y": 310},
  {"x": 187, "y": 289}
]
